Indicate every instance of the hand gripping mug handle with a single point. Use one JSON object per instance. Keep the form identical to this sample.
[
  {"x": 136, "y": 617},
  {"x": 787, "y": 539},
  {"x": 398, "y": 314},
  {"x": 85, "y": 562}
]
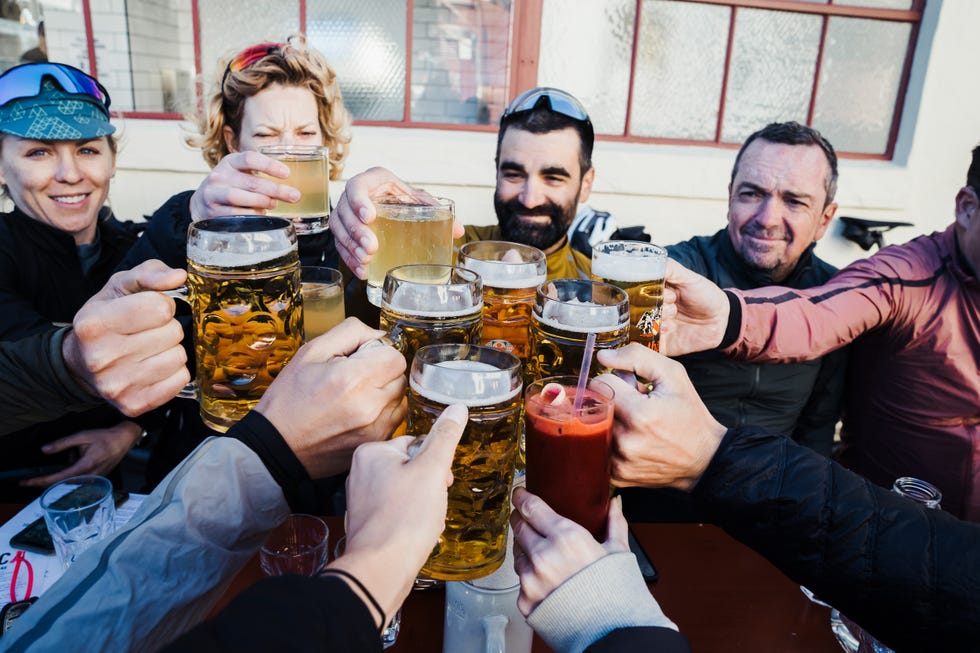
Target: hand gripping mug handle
[
  {"x": 191, "y": 390},
  {"x": 495, "y": 630}
]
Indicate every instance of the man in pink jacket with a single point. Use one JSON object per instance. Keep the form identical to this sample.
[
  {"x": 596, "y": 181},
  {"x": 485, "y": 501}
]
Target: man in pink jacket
[{"x": 912, "y": 406}]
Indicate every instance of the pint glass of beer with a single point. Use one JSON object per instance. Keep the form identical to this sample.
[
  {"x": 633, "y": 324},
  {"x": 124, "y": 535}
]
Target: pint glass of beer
[
  {"x": 309, "y": 174},
  {"x": 638, "y": 268},
  {"x": 409, "y": 233},
  {"x": 511, "y": 273},
  {"x": 565, "y": 312},
  {"x": 243, "y": 284},
  {"x": 488, "y": 381},
  {"x": 431, "y": 304}
]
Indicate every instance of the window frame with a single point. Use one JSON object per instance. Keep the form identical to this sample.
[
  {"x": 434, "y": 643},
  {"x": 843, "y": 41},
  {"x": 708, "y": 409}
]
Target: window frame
[{"x": 525, "y": 37}]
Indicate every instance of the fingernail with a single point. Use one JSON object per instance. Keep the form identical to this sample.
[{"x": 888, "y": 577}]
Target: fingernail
[
  {"x": 362, "y": 213},
  {"x": 360, "y": 253},
  {"x": 364, "y": 241},
  {"x": 456, "y": 412},
  {"x": 294, "y": 196}
]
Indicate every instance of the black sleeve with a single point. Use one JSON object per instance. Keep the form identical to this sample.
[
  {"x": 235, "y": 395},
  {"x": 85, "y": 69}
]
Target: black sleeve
[
  {"x": 262, "y": 437},
  {"x": 165, "y": 236},
  {"x": 641, "y": 639},
  {"x": 907, "y": 574},
  {"x": 818, "y": 419},
  {"x": 288, "y": 614}
]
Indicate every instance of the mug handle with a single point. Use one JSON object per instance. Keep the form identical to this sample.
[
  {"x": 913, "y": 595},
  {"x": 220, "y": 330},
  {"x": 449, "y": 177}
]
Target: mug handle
[
  {"x": 192, "y": 390},
  {"x": 495, "y": 627}
]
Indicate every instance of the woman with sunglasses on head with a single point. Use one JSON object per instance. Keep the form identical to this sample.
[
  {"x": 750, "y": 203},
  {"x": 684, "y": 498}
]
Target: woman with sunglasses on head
[
  {"x": 58, "y": 246},
  {"x": 267, "y": 94}
]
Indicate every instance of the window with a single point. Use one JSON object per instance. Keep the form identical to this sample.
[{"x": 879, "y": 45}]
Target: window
[{"x": 672, "y": 71}]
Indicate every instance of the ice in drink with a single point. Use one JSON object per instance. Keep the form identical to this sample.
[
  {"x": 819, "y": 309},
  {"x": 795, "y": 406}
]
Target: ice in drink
[{"x": 568, "y": 455}]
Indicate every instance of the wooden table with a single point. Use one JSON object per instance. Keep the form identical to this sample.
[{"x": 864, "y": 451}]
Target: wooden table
[{"x": 722, "y": 595}]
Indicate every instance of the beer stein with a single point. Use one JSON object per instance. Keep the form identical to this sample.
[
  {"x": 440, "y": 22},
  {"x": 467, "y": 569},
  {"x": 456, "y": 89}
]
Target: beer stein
[
  {"x": 639, "y": 269},
  {"x": 565, "y": 312},
  {"x": 243, "y": 286},
  {"x": 511, "y": 274},
  {"x": 431, "y": 304},
  {"x": 407, "y": 233},
  {"x": 488, "y": 382}
]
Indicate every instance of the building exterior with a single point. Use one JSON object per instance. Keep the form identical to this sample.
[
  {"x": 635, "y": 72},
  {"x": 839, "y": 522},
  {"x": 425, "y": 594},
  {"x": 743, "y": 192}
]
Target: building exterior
[{"x": 673, "y": 86}]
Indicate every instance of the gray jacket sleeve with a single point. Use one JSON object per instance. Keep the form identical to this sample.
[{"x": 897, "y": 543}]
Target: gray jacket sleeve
[
  {"x": 607, "y": 595},
  {"x": 163, "y": 572},
  {"x": 35, "y": 384}
]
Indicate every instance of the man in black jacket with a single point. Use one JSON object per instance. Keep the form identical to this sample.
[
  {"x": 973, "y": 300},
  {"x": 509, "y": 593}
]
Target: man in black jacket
[
  {"x": 907, "y": 574},
  {"x": 780, "y": 202}
]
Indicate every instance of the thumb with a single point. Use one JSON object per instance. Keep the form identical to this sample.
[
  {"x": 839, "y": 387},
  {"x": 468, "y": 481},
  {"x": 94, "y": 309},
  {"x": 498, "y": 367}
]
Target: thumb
[
  {"x": 678, "y": 275},
  {"x": 439, "y": 446},
  {"x": 643, "y": 362},
  {"x": 149, "y": 275},
  {"x": 62, "y": 444},
  {"x": 617, "y": 538}
]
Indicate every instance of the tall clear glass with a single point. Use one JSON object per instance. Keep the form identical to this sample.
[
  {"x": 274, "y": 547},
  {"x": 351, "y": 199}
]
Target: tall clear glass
[
  {"x": 409, "y": 233},
  {"x": 565, "y": 312},
  {"x": 243, "y": 283},
  {"x": 488, "y": 381},
  {"x": 511, "y": 274},
  {"x": 638, "y": 268}
]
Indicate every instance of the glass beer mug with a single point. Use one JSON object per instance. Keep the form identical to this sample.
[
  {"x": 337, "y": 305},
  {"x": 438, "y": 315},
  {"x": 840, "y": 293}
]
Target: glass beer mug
[
  {"x": 565, "y": 312},
  {"x": 488, "y": 382},
  {"x": 431, "y": 304},
  {"x": 243, "y": 286},
  {"x": 638, "y": 268},
  {"x": 511, "y": 274}
]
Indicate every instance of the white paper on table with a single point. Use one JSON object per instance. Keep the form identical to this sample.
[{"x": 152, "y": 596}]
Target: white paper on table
[{"x": 24, "y": 574}]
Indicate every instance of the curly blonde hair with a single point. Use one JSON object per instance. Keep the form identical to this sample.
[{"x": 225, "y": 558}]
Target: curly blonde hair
[{"x": 292, "y": 64}]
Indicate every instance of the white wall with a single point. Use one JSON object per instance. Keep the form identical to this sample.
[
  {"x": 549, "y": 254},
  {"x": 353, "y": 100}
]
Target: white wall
[{"x": 676, "y": 192}]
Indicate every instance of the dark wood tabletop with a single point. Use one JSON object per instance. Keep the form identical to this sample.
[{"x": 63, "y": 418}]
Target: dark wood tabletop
[{"x": 721, "y": 594}]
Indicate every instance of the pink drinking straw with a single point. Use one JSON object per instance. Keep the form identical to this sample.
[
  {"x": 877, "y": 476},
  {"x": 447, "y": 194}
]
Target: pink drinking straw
[{"x": 583, "y": 375}]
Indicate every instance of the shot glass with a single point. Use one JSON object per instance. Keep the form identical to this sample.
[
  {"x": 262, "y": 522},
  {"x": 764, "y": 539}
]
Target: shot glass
[
  {"x": 298, "y": 546},
  {"x": 79, "y": 512},
  {"x": 323, "y": 299},
  {"x": 309, "y": 173}
]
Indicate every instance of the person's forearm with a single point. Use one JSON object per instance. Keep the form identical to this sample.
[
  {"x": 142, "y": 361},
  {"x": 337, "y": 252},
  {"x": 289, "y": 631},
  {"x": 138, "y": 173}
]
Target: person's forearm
[
  {"x": 36, "y": 384},
  {"x": 907, "y": 574},
  {"x": 163, "y": 572}
]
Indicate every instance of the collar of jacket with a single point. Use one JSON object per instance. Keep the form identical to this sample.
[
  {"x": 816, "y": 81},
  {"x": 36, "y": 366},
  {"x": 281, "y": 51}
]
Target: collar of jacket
[{"x": 760, "y": 278}]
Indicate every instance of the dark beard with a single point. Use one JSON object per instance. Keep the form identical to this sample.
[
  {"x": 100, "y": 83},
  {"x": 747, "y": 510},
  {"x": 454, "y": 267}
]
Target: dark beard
[{"x": 515, "y": 230}]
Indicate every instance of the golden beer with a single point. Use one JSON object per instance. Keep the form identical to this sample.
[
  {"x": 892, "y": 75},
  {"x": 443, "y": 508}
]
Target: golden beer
[
  {"x": 511, "y": 274},
  {"x": 431, "y": 304},
  {"x": 323, "y": 308},
  {"x": 638, "y": 268},
  {"x": 323, "y": 300},
  {"x": 565, "y": 312},
  {"x": 309, "y": 174},
  {"x": 248, "y": 315},
  {"x": 407, "y": 234},
  {"x": 488, "y": 381}
]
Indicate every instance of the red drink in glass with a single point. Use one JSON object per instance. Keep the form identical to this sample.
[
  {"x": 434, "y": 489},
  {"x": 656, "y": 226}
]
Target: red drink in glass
[{"x": 568, "y": 450}]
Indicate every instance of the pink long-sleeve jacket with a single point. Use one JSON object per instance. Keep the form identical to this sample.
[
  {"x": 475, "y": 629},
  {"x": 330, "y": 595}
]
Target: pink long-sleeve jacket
[{"x": 912, "y": 403}]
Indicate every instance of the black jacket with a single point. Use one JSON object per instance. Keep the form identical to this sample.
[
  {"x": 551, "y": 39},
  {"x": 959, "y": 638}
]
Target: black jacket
[
  {"x": 42, "y": 285},
  {"x": 798, "y": 399},
  {"x": 907, "y": 574}
]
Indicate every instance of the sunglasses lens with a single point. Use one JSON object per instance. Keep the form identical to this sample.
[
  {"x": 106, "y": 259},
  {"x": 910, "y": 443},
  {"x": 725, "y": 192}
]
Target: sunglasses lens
[
  {"x": 558, "y": 101},
  {"x": 25, "y": 81}
]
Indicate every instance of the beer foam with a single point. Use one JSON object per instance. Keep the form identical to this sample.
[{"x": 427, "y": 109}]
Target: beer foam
[
  {"x": 581, "y": 317},
  {"x": 629, "y": 268},
  {"x": 448, "y": 383},
  {"x": 501, "y": 274},
  {"x": 226, "y": 259},
  {"x": 416, "y": 300}
]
